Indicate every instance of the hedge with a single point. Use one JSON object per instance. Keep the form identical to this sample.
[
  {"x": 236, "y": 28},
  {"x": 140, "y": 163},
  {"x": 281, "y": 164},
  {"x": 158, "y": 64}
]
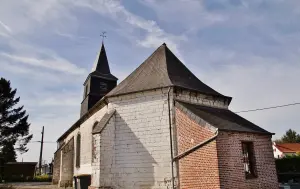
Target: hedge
[{"x": 288, "y": 168}]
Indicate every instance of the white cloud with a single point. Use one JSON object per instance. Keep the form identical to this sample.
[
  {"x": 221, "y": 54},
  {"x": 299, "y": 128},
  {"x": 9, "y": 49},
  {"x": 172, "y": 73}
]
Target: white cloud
[
  {"x": 54, "y": 63},
  {"x": 6, "y": 27},
  {"x": 191, "y": 15},
  {"x": 254, "y": 82},
  {"x": 155, "y": 35}
]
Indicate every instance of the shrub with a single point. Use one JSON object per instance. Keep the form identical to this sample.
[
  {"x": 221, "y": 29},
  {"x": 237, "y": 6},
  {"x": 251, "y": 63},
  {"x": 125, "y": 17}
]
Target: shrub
[
  {"x": 42, "y": 178},
  {"x": 288, "y": 169}
]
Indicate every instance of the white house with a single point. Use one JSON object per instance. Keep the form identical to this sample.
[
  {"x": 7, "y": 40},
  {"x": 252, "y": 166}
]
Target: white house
[{"x": 285, "y": 149}]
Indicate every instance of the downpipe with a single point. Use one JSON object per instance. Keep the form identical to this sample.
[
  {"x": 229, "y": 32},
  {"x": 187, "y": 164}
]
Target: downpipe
[{"x": 171, "y": 139}]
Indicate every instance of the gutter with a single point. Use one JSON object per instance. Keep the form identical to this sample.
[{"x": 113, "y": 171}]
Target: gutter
[
  {"x": 83, "y": 118},
  {"x": 171, "y": 139},
  {"x": 191, "y": 150}
]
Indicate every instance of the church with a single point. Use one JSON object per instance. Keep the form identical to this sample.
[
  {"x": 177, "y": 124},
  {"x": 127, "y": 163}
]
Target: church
[{"x": 160, "y": 128}]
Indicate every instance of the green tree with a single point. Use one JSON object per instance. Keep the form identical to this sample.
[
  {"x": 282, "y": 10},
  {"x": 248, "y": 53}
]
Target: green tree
[
  {"x": 8, "y": 153},
  {"x": 290, "y": 136},
  {"x": 14, "y": 127}
]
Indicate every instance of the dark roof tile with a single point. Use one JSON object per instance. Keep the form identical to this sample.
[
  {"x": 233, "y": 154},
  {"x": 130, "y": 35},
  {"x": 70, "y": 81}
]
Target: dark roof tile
[
  {"x": 223, "y": 119},
  {"x": 161, "y": 69}
]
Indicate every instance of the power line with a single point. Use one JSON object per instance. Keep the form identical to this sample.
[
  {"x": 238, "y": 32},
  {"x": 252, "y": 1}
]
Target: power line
[{"x": 272, "y": 107}]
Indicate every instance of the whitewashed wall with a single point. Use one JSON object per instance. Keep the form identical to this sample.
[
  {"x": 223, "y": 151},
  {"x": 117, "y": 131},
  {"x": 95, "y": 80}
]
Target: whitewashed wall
[
  {"x": 139, "y": 140},
  {"x": 277, "y": 152},
  {"x": 197, "y": 98},
  {"x": 85, "y": 130}
]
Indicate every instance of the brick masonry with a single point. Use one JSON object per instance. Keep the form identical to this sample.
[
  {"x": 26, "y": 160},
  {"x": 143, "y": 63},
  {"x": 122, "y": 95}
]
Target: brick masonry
[
  {"x": 67, "y": 164},
  {"x": 200, "y": 168},
  {"x": 219, "y": 164},
  {"x": 229, "y": 145}
]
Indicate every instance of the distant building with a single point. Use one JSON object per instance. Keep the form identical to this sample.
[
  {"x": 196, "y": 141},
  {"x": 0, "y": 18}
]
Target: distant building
[
  {"x": 285, "y": 149},
  {"x": 46, "y": 169},
  {"x": 14, "y": 170}
]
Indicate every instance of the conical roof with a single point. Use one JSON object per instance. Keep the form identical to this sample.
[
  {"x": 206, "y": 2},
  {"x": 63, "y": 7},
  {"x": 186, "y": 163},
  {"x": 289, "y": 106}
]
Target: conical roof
[
  {"x": 161, "y": 69},
  {"x": 101, "y": 66}
]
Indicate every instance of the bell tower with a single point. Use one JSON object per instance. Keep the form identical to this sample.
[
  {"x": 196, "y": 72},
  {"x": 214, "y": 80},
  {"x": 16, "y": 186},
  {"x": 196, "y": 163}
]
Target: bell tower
[{"x": 98, "y": 83}]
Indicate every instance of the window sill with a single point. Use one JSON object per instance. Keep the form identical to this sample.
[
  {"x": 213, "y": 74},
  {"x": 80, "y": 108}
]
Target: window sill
[{"x": 250, "y": 177}]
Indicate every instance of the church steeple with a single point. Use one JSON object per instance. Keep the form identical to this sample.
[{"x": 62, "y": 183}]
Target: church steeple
[
  {"x": 98, "y": 83},
  {"x": 101, "y": 64}
]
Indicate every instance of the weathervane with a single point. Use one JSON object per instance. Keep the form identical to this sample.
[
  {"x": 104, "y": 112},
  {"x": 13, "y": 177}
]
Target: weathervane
[{"x": 103, "y": 36}]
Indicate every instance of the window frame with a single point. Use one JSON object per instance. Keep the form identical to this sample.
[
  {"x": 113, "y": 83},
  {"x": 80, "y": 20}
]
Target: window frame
[{"x": 249, "y": 159}]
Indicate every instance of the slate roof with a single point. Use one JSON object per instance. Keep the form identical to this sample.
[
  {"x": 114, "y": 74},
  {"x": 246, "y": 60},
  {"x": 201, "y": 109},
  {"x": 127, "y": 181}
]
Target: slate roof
[
  {"x": 288, "y": 147},
  {"x": 223, "y": 119},
  {"x": 102, "y": 123},
  {"x": 101, "y": 66},
  {"x": 161, "y": 69}
]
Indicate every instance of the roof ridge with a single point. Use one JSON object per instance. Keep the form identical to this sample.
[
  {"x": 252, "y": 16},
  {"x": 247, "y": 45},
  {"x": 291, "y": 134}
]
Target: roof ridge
[
  {"x": 166, "y": 61},
  {"x": 133, "y": 73}
]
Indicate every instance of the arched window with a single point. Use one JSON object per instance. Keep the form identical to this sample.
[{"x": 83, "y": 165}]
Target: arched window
[{"x": 78, "y": 141}]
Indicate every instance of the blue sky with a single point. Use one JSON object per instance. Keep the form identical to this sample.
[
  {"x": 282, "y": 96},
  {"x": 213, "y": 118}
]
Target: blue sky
[{"x": 247, "y": 49}]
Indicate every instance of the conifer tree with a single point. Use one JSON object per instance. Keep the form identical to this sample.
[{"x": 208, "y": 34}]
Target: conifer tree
[
  {"x": 8, "y": 153},
  {"x": 14, "y": 127}
]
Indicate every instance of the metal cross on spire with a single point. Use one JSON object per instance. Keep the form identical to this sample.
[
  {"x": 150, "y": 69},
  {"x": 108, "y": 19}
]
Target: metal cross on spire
[{"x": 103, "y": 36}]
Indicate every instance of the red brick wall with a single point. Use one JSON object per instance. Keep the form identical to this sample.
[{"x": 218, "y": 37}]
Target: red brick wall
[
  {"x": 200, "y": 168},
  {"x": 231, "y": 168}
]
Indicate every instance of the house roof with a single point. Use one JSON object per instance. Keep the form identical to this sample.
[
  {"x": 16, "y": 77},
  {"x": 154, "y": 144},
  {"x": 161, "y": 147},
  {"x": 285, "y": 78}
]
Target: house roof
[
  {"x": 288, "y": 147},
  {"x": 162, "y": 69},
  {"x": 223, "y": 119},
  {"x": 102, "y": 123}
]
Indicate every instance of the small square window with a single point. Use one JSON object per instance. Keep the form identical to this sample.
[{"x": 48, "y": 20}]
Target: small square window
[{"x": 249, "y": 160}]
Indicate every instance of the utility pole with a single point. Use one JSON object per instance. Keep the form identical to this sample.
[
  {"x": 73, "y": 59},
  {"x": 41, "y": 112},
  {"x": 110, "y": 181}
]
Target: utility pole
[{"x": 41, "y": 152}]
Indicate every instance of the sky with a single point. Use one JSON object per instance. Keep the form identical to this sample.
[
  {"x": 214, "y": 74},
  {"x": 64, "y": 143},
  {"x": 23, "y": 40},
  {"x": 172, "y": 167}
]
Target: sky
[{"x": 246, "y": 49}]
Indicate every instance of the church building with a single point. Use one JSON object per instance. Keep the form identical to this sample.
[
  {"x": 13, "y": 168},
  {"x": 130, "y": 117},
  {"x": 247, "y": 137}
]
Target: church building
[{"x": 160, "y": 128}]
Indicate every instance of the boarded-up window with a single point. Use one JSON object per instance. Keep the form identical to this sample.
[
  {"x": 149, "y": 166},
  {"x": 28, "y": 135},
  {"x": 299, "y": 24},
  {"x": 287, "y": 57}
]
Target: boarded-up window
[{"x": 78, "y": 141}]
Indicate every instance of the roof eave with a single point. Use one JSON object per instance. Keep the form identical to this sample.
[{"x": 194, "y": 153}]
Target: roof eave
[
  {"x": 253, "y": 132},
  {"x": 197, "y": 91},
  {"x": 81, "y": 120},
  {"x": 138, "y": 91}
]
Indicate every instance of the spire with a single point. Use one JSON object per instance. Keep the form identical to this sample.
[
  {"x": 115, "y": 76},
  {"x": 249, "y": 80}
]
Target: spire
[{"x": 101, "y": 63}]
